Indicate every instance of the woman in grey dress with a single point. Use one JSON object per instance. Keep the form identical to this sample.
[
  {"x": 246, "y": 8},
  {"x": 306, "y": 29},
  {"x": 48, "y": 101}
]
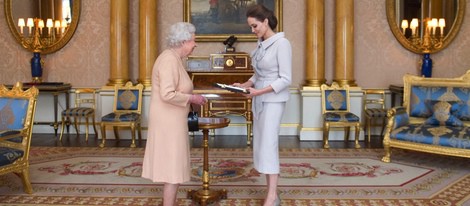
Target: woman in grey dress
[{"x": 269, "y": 88}]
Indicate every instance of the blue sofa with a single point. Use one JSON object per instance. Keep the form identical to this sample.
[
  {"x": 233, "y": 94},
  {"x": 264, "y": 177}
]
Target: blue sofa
[{"x": 434, "y": 117}]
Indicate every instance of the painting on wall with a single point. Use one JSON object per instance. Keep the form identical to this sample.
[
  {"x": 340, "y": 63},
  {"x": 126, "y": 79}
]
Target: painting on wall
[{"x": 216, "y": 20}]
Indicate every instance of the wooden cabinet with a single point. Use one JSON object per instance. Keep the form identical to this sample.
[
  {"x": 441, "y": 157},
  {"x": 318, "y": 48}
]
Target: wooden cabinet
[{"x": 222, "y": 102}]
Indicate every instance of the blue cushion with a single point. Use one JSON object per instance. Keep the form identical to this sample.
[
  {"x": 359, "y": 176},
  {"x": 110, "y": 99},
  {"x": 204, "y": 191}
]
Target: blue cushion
[
  {"x": 127, "y": 100},
  {"x": 121, "y": 117},
  {"x": 13, "y": 112},
  {"x": 336, "y": 100},
  {"x": 401, "y": 117},
  {"x": 9, "y": 155},
  {"x": 463, "y": 113},
  {"x": 457, "y": 137},
  {"x": 340, "y": 117},
  {"x": 419, "y": 97},
  {"x": 442, "y": 113}
]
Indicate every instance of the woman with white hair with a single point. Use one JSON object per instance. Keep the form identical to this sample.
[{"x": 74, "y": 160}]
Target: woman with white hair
[{"x": 166, "y": 156}]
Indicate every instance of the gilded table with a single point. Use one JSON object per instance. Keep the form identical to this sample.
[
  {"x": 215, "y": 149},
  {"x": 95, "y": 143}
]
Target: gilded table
[{"x": 205, "y": 195}]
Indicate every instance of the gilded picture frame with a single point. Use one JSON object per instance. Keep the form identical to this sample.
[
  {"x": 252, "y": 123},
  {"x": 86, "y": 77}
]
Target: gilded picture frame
[{"x": 216, "y": 20}]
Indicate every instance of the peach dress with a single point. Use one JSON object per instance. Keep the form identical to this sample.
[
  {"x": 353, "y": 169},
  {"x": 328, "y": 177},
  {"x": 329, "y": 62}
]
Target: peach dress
[{"x": 167, "y": 150}]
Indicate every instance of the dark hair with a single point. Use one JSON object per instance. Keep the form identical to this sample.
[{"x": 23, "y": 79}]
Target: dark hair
[{"x": 260, "y": 13}]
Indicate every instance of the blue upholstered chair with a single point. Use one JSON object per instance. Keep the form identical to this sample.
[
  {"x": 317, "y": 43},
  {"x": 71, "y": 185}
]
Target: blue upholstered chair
[
  {"x": 85, "y": 103},
  {"x": 336, "y": 112},
  {"x": 17, "y": 108},
  {"x": 127, "y": 108}
]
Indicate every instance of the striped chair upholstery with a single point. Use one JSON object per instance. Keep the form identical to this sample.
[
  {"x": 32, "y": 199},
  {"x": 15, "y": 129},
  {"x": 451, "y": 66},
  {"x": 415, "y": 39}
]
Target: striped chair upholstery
[
  {"x": 85, "y": 103},
  {"x": 374, "y": 109}
]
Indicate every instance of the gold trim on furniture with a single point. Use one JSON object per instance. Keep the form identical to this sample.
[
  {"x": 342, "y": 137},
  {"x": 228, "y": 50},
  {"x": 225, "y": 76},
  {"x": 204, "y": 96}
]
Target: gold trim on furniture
[
  {"x": 21, "y": 140},
  {"x": 12, "y": 24}
]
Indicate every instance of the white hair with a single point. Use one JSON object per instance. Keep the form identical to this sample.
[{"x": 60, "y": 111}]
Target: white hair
[{"x": 180, "y": 32}]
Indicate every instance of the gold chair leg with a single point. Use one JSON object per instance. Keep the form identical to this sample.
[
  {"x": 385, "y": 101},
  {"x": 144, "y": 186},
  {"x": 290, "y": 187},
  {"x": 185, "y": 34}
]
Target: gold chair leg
[
  {"x": 346, "y": 133},
  {"x": 356, "y": 137},
  {"x": 86, "y": 128},
  {"x": 24, "y": 175},
  {"x": 103, "y": 135},
  {"x": 133, "y": 136},
  {"x": 326, "y": 131},
  {"x": 94, "y": 126},
  {"x": 368, "y": 122},
  {"x": 386, "y": 157},
  {"x": 116, "y": 133},
  {"x": 75, "y": 124},
  {"x": 62, "y": 128}
]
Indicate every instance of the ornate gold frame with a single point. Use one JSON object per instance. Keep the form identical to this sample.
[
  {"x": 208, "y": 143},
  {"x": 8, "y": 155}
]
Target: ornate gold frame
[
  {"x": 59, "y": 44},
  {"x": 391, "y": 18},
  {"x": 222, "y": 37}
]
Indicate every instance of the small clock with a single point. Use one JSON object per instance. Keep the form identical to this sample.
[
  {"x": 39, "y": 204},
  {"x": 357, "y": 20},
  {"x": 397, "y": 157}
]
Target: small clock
[
  {"x": 229, "y": 62},
  {"x": 236, "y": 60}
]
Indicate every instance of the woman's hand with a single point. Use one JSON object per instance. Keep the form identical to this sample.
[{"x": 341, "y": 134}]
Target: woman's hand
[
  {"x": 243, "y": 85},
  {"x": 197, "y": 99},
  {"x": 253, "y": 92},
  {"x": 237, "y": 85}
]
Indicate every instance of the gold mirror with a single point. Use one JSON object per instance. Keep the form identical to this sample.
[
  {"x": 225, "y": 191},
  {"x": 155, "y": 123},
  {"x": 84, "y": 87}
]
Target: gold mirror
[
  {"x": 42, "y": 26},
  {"x": 425, "y": 26}
]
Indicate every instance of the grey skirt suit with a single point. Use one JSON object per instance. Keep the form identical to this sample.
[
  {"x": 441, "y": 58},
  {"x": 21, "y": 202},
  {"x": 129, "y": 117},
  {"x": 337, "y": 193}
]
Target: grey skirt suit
[{"x": 272, "y": 62}]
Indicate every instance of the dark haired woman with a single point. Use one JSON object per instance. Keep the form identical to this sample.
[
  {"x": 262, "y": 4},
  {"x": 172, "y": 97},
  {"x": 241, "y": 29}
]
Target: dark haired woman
[{"x": 269, "y": 87}]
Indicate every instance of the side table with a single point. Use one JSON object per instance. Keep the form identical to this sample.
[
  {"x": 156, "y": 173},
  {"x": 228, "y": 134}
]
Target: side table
[{"x": 205, "y": 195}]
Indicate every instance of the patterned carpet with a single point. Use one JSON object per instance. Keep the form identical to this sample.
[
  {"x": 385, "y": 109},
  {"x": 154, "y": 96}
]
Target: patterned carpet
[{"x": 111, "y": 176}]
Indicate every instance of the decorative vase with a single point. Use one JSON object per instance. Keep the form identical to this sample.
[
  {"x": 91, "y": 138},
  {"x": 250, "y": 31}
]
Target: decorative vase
[
  {"x": 426, "y": 67},
  {"x": 36, "y": 67}
]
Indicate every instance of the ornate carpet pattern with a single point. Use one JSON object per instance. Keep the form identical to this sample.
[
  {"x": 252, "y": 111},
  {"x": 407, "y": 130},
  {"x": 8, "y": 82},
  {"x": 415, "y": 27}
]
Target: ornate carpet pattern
[{"x": 111, "y": 176}]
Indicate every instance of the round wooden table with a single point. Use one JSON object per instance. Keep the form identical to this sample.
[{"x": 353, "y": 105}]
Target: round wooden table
[{"x": 205, "y": 195}]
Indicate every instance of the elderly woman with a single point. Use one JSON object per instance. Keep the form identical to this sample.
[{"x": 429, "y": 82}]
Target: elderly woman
[{"x": 166, "y": 156}]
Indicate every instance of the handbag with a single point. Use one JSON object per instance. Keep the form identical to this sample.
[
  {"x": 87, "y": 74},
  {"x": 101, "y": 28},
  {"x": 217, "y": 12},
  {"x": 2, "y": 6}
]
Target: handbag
[{"x": 193, "y": 124}]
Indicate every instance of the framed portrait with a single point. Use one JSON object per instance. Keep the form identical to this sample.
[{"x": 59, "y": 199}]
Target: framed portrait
[{"x": 216, "y": 20}]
